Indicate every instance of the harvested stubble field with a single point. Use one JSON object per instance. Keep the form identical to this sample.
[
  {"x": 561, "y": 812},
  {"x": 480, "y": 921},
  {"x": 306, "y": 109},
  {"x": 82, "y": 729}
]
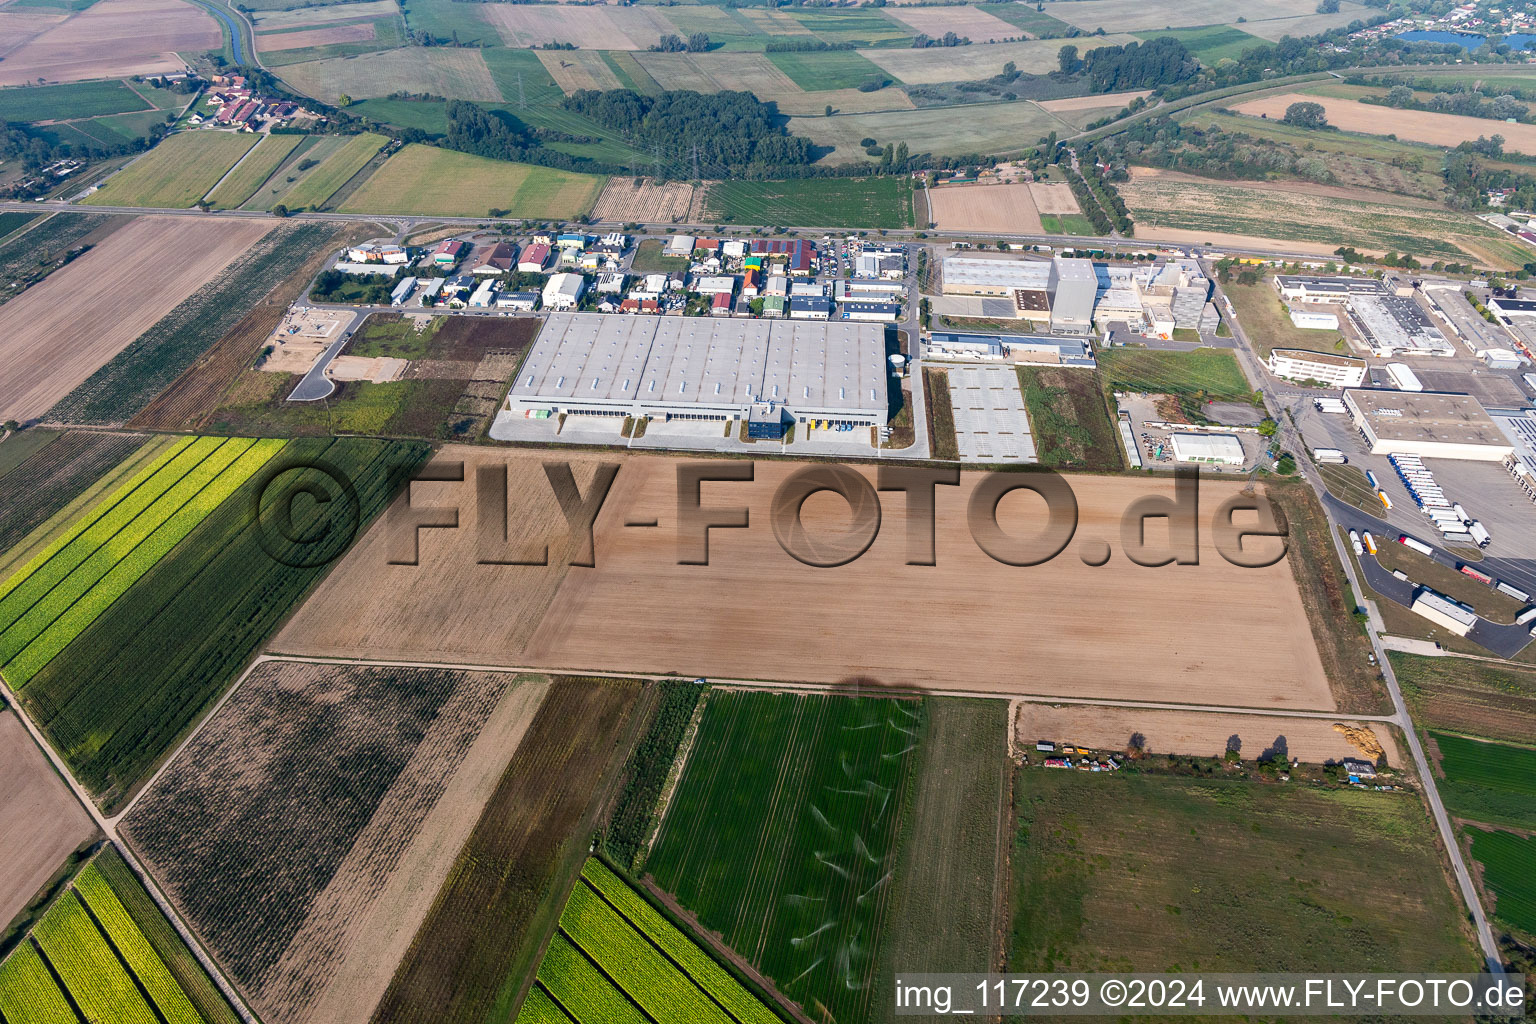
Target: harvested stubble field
[
  {"x": 118, "y": 697},
  {"x": 54, "y": 476},
  {"x": 439, "y": 70},
  {"x": 588, "y": 28},
  {"x": 621, "y": 614},
  {"x": 934, "y": 64},
  {"x": 411, "y": 182},
  {"x": 947, "y": 910},
  {"x": 973, "y": 23},
  {"x": 1305, "y": 217},
  {"x": 44, "y": 247},
  {"x": 127, "y": 384},
  {"x": 574, "y": 70},
  {"x": 59, "y": 332},
  {"x": 475, "y": 953},
  {"x": 267, "y": 42},
  {"x": 336, "y": 798},
  {"x": 1004, "y": 209},
  {"x": 1479, "y": 698},
  {"x": 1200, "y": 734},
  {"x": 111, "y": 39},
  {"x": 43, "y": 822},
  {"x": 973, "y": 128},
  {"x": 783, "y": 836},
  {"x": 1127, "y": 872},
  {"x": 176, "y": 173},
  {"x": 322, "y": 15},
  {"x": 642, "y": 200},
  {"x": 1447, "y": 130},
  {"x": 1151, "y": 15}
]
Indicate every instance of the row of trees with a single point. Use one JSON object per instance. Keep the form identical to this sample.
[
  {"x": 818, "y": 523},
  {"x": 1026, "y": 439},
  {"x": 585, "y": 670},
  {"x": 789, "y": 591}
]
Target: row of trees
[
  {"x": 697, "y": 42},
  {"x": 1470, "y": 103}
]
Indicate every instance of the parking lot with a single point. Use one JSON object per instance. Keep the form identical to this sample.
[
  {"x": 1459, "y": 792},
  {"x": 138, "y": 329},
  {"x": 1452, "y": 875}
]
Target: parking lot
[{"x": 991, "y": 424}]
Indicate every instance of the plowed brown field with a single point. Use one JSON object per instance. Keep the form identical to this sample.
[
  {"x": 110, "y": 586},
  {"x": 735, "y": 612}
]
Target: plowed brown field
[
  {"x": 1420, "y": 126},
  {"x": 111, "y": 39},
  {"x": 1005, "y": 209},
  {"x": 59, "y": 332},
  {"x": 41, "y": 823},
  {"x": 1198, "y": 634}
]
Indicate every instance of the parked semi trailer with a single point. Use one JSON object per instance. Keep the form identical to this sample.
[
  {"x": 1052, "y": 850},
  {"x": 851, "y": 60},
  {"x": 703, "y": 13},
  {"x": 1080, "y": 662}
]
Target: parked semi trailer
[{"x": 1417, "y": 545}]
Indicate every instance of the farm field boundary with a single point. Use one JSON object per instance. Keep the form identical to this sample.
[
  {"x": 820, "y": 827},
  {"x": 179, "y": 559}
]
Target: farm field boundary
[{"x": 176, "y": 173}]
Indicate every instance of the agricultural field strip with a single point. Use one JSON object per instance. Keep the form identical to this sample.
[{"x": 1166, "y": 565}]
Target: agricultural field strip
[
  {"x": 113, "y": 919},
  {"x": 39, "y": 619},
  {"x": 274, "y": 653},
  {"x": 86, "y": 964},
  {"x": 28, "y": 993}
]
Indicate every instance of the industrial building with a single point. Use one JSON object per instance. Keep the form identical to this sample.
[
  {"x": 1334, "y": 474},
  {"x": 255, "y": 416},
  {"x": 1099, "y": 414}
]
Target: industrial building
[
  {"x": 967, "y": 275},
  {"x": 1019, "y": 348},
  {"x": 1429, "y": 424},
  {"x": 873, "y": 312},
  {"x": 1314, "y": 321},
  {"x": 1395, "y": 325},
  {"x": 1442, "y": 611},
  {"x": 402, "y": 291},
  {"x": 1324, "y": 367},
  {"x": 1073, "y": 286},
  {"x": 1338, "y": 290},
  {"x": 696, "y": 368},
  {"x": 1211, "y": 449},
  {"x": 563, "y": 291}
]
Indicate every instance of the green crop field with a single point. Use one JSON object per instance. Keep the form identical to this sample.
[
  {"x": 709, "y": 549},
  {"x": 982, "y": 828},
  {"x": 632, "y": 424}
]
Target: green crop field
[
  {"x": 813, "y": 202},
  {"x": 14, "y": 220},
  {"x": 64, "y": 102},
  {"x": 104, "y": 946},
  {"x": 616, "y": 959},
  {"x": 1509, "y": 873},
  {"x": 1128, "y": 872},
  {"x": 647, "y": 771},
  {"x": 836, "y": 69},
  {"x": 1036, "y": 23},
  {"x": 176, "y": 173},
  {"x": 1213, "y": 43},
  {"x": 450, "y": 19},
  {"x": 132, "y": 378},
  {"x": 51, "y": 477},
  {"x": 1488, "y": 782},
  {"x": 312, "y": 190},
  {"x": 120, "y": 694},
  {"x": 256, "y": 167},
  {"x": 859, "y": 27},
  {"x": 55, "y": 596},
  {"x": 439, "y": 182},
  {"x": 1212, "y": 372},
  {"x": 481, "y": 940},
  {"x": 782, "y": 836},
  {"x": 1074, "y": 224}
]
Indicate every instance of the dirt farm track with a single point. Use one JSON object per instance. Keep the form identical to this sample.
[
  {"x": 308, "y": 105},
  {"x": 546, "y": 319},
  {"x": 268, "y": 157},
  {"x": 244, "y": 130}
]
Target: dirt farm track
[{"x": 1207, "y": 633}]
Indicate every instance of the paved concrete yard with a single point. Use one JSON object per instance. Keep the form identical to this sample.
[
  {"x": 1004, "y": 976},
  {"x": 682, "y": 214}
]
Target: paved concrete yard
[{"x": 990, "y": 422}]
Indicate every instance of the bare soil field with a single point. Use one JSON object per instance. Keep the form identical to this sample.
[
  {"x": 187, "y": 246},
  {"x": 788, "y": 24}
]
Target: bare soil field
[
  {"x": 1199, "y": 733},
  {"x": 639, "y": 610},
  {"x": 589, "y": 28},
  {"x": 971, "y": 22},
  {"x": 347, "y": 856},
  {"x": 41, "y": 822},
  {"x": 20, "y": 25},
  {"x": 59, "y": 332},
  {"x": 322, "y": 15},
  {"x": 1008, "y": 209},
  {"x": 1115, "y": 99},
  {"x": 967, "y": 63},
  {"x": 623, "y": 200},
  {"x": 1447, "y": 130},
  {"x": 358, "y": 33},
  {"x": 112, "y": 39},
  {"x": 1053, "y": 198},
  {"x": 439, "y": 70},
  {"x": 579, "y": 69}
]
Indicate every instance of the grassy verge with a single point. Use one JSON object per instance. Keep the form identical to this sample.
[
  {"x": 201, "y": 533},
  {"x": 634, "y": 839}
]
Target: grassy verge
[{"x": 942, "y": 443}]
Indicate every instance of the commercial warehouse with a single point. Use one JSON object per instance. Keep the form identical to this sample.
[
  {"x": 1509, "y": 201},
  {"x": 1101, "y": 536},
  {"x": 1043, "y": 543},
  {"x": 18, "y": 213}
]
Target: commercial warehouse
[
  {"x": 1428, "y": 424},
  {"x": 1393, "y": 325},
  {"x": 1442, "y": 611},
  {"x": 1323, "y": 367},
  {"x": 1340, "y": 290},
  {"x": 673, "y": 367},
  {"x": 1212, "y": 449}
]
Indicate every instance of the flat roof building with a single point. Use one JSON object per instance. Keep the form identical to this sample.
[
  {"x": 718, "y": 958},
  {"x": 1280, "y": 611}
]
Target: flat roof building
[
  {"x": 1073, "y": 286},
  {"x": 563, "y": 291},
  {"x": 1428, "y": 423},
  {"x": 1442, "y": 611},
  {"x": 1324, "y": 367},
  {"x": 703, "y": 368},
  {"x": 1293, "y": 288},
  {"x": 875, "y": 312},
  {"x": 967, "y": 275},
  {"x": 1212, "y": 449},
  {"x": 1394, "y": 325}
]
